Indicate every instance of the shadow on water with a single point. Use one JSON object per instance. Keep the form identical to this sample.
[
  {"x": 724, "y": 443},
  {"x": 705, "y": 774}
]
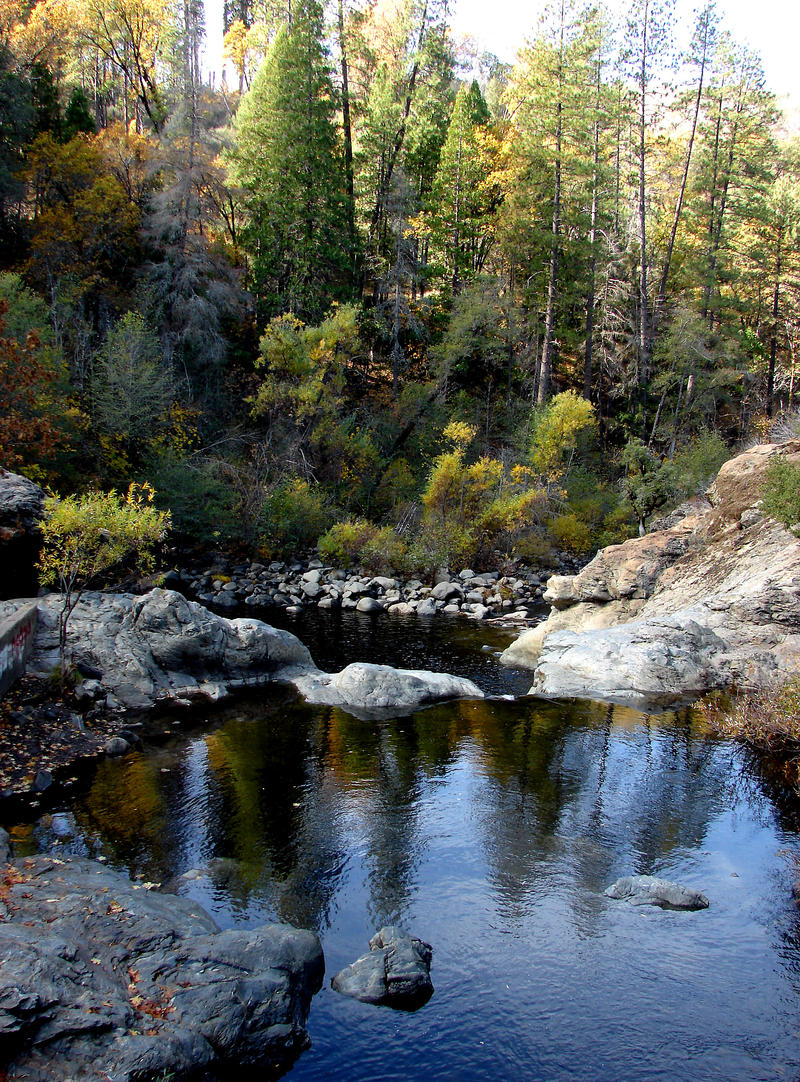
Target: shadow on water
[{"x": 489, "y": 828}]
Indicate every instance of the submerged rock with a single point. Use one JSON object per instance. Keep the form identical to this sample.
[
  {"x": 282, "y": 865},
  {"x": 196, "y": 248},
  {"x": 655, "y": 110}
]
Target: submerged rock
[
  {"x": 649, "y": 890},
  {"x": 100, "y": 978},
  {"x": 395, "y": 973}
]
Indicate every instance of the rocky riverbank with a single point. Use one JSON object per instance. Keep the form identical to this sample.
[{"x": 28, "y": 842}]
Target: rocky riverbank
[
  {"x": 45, "y": 738},
  {"x": 712, "y": 600},
  {"x": 227, "y": 586},
  {"x": 233, "y": 586}
]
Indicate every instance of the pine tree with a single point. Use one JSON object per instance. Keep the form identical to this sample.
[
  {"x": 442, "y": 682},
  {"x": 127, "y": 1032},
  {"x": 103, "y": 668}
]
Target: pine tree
[
  {"x": 736, "y": 147},
  {"x": 289, "y": 166},
  {"x": 647, "y": 48},
  {"x": 403, "y": 70},
  {"x": 463, "y": 197},
  {"x": 548, "y": 176}
]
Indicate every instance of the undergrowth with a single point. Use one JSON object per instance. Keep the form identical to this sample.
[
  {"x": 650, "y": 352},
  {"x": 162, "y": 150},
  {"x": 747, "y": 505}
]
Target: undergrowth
[{"x": 768, "y": 720}]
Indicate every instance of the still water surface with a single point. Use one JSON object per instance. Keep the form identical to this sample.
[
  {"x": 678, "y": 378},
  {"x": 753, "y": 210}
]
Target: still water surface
[{"x": 489, "y": 829}]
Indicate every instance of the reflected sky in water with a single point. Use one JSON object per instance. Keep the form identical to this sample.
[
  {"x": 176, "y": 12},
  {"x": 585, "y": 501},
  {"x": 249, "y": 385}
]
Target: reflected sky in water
[{"x": 489, "y": 829}]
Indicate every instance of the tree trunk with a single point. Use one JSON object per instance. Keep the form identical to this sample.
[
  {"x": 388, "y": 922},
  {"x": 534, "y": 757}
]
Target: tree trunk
[
  {"x": 399, "y": 139},
  {"x": 348, "y": 136},
  {"x": 644, "y": 334},
  {"x": 773, "y": 345},
  {"x": 590, "y": 296},
  {"x": 662, "y": 285},
  {"x": 555, "y": 240}
]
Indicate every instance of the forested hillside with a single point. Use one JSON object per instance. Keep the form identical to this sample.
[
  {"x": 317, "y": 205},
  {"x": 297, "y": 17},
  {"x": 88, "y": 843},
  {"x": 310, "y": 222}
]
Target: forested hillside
[{"x": 380, "y": 290}]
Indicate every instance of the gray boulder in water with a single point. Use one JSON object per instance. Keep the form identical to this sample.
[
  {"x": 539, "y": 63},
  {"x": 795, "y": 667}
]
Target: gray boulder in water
[
  {"x": 376, "y": 689},
  {"x": 649, "y": 890},
  {"x": 395, "y": 973}
]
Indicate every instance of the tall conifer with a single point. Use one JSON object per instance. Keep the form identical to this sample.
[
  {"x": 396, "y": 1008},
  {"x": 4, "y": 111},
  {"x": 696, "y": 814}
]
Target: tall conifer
[{"x": 289, "y": 165}]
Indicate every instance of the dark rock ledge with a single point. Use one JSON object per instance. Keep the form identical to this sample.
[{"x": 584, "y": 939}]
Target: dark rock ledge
[{"x": 103, "y": 979}]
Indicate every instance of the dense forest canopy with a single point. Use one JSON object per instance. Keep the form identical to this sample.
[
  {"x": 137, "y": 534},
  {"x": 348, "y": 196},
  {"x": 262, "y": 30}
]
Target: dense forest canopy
[{"x": 423, "y": 304}]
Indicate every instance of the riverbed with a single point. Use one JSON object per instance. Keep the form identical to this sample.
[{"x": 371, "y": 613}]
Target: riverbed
[{"x": 490, "y": 829}]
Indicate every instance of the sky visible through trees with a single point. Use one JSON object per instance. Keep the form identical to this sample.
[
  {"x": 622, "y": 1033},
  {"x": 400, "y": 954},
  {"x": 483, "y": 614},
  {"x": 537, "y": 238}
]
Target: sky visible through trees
[{"x": 770, "y": 28}]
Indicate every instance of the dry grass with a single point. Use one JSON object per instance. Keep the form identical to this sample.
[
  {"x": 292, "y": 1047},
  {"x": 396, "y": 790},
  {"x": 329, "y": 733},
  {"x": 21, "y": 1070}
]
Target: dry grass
[{"x": 768, "y": 720}]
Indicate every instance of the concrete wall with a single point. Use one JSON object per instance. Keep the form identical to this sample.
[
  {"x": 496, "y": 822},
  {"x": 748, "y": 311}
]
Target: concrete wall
[{"x": 16, "y": 640}]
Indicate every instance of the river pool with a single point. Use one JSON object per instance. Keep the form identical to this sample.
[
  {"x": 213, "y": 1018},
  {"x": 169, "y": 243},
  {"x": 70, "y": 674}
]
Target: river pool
[{"x": 489, "y": 829}]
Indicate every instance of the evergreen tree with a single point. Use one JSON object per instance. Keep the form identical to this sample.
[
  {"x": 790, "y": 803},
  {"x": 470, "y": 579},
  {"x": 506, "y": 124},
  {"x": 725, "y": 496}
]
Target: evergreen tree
[
  {"x": 463, "y": 195},
  {"x": 288, "y": 164},
  {"x": 647, "y": 47},
  {"x": 404, "y": 71},
  {"x": 547, "y": 179},
  {"x": 734, "y": 163},
  {"x": 16, "y": 131}
]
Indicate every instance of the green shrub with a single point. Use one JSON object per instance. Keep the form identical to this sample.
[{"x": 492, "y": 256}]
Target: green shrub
[
  {"x": 441, "y": 544},
  {"x": 344, "y": 541},
  {"x": 203, "y": 503},
  {"x": 535, "y": 550},
  {"x": 85, "y": 537},
  {"x": 571, "y": 534},
  {"x": 697, "y": 464},
  {"x": 397, "y": 485},
  {"x": 617, "y": 526},
  {"x": 649, "y": 482},
  {"x": 509, "y": 518},
  {"x": 385, "y": 551},
  {"x": 358, "y": 542},
  {"x": 472, "y": 511},
  {"x": 782, "y": 493},
  {"x": 293, "y": 516},
  {"x": 559, "y": 428}
]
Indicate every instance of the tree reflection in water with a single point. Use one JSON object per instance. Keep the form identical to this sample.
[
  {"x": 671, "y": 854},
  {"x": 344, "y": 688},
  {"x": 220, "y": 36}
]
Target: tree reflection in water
[{"x": 490, "y": 828}]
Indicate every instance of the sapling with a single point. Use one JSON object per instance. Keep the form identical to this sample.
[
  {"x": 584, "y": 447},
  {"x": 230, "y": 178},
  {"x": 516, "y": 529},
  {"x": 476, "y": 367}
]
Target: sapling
[{"x": 83, "y": 537}]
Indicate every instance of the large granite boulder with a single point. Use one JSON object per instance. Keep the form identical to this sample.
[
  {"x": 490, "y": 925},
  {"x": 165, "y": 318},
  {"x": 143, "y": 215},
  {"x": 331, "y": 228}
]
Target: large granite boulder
[
  {"x": 622, "y": 572},
  {"x": 21, "y": 508},
  {"x": 161, "y": 647},
  {"x": 103, "y": 979},
  {"x": 711, "y": 601},
  {"x": 653, "y": 663}
]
